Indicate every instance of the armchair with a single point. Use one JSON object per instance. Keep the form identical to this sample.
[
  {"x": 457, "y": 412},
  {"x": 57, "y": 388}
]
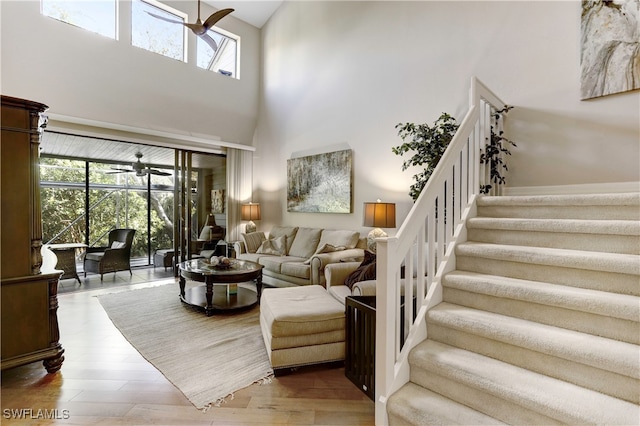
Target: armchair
[
  {"x": 209, "y": 236},
  {"x": 113, "y": 258}
]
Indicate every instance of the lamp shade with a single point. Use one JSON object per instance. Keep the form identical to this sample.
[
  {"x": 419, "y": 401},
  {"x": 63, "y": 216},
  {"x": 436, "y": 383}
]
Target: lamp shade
[
  {"x": 250, "y": 211},
  {"x": 380, "y": 215}
]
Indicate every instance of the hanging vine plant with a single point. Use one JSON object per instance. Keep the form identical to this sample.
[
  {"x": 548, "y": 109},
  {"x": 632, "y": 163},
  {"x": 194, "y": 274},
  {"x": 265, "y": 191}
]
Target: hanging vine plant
[
  {"x": 428, "y": 144},
  {"x": 496, "y": 148}
]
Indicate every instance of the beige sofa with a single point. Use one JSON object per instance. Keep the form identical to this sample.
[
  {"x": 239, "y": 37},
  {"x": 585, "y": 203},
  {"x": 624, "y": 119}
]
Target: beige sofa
[
  {"x": 298, "y": 256},
  {"x": 337, "y": 273}
]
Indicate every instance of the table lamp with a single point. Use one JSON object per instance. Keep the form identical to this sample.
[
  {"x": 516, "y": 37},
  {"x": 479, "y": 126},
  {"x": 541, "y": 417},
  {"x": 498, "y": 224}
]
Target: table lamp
[
  {"x": 378, "y": 215},
  {"x": 250, "y": 212}
]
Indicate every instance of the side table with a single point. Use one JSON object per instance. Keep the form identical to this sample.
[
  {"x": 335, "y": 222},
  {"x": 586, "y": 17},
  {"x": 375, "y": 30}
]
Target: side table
[
  {"x": 360, "y": 342},
  {"x": 66, "y": 255}
]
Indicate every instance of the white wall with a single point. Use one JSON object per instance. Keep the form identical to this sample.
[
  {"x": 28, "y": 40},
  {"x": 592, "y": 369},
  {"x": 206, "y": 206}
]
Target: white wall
[
  {"x": 81, "y": 74},
  {"x": 345, "y": 73}
]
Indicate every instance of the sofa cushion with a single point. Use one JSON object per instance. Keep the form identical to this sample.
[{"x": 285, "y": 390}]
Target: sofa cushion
[
  {"x": 274, "y": 263},
  {"x": 339, "y": 292},
  {"x": 275, "y": 246},
  {"x": 325, "y": 248},
  {"x": 252, "y": 257},
  {"x": 296, "y": 269},
  {"x": 97, "y": 256},
  {"x": 305, "y": 242},
  {"x": 339, "y": 238},
  {"x": 366, "y": 271},
  {"x": 252, "y": 241},
  {"x": 288, "y": 231}
]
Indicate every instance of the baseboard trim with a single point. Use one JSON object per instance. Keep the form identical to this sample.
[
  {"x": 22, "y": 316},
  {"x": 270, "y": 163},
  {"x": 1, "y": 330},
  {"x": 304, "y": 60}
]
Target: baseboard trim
[{"x": 587, "y": 188}]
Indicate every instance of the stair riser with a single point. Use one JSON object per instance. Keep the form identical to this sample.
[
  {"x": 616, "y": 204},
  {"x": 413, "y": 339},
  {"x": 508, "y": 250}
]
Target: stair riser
[
  {"x": 597, "y": 325},
  {"x": 601, "y": 243},
  {"x": 562, "y": 212},
  {"x": 609, "y": 383},
  {"x": 595, "y": 280},
  {"x": 480, "y": 399}
]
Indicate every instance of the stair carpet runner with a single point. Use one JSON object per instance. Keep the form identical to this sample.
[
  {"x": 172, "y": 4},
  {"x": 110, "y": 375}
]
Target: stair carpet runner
[{"x": 540, "y": 321}]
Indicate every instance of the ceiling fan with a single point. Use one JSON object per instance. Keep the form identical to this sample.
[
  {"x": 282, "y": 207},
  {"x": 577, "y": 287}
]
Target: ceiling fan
[
  {"x": 140, "y": 169},
  {"x": 200, "y": 28}
]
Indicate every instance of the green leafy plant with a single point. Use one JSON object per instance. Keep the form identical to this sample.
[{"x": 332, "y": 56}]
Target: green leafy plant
[
  {"x": 494, "y": 152},
  {"x": 428, "y": 144}
]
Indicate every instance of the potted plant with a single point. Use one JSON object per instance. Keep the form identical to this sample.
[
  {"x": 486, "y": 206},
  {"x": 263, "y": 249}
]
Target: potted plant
[
  {"x": 428, "y": 144},
  {"x": 494, "y": 151}
]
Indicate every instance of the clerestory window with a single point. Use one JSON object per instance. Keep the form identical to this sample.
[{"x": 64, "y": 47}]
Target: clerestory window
[
  {"x": 159, "y": 28},
  {"x": 96, "y": 16},
  {"x": 219, "y": 53}
]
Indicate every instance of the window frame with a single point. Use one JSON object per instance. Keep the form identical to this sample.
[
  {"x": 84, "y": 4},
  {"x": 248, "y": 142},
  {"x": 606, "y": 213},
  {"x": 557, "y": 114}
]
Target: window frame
[
  {"x": 230, "y": 35},
  {"x": 116, "y": 26},
  {"x": 178, "y": 13}
]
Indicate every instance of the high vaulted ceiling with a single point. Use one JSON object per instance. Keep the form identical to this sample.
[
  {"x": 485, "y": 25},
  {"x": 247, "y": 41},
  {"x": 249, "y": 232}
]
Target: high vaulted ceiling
[{"x": 256, "y": 12}]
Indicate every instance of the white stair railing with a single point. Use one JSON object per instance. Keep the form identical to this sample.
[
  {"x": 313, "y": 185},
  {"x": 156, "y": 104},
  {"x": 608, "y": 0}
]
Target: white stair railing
[{"x": 430, "y": 232}]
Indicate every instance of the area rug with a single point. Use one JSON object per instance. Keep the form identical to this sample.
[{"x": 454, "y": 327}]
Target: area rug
[{"x": 207, "y": 358}]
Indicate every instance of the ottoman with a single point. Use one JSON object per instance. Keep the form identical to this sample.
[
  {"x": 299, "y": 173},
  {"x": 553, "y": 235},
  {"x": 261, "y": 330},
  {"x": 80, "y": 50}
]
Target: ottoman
[
  {"x": 163, "y": 257},
  {"x": 301, "y": 326}
]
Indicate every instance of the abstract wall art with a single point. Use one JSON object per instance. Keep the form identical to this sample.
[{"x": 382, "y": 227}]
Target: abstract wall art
[
  {"x": 320, "y": 183},
  {"x": 217, "y": 201},
  {"x": 610, "y": 47}
]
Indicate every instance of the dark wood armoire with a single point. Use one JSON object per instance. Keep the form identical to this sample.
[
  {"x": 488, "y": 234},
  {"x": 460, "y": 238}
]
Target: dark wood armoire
[{"x": 29, "y": 295}]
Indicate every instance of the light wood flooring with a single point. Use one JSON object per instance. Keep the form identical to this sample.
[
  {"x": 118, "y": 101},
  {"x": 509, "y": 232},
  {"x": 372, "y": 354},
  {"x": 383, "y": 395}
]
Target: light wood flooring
[{"x": 105, "y": 381}]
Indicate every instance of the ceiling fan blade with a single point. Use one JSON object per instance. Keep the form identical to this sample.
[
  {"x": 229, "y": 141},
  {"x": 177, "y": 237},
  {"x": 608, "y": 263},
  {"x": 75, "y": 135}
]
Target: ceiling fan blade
[
  {"x": 119, "y": 170},
  {"x": 175, "y": 21},
  {"x": 215, "y": 17},
  {"x": 158, "y": 172},
  {"x": 211, "y": 42}
]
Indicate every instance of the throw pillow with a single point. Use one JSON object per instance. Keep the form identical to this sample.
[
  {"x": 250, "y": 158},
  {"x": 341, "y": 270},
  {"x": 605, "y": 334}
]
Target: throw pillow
[
  {"x": 117, "y": 244},
  {"x": 287, "y": 231},
  {"x": 305, "y": 242},
  {"x": 273, "y": 246},
  {"x": 253, "y": 240},
  {"x": 325, "y": 248},
  {"x": 366, "y": 271},
  {"x": 338, "y": 238}
]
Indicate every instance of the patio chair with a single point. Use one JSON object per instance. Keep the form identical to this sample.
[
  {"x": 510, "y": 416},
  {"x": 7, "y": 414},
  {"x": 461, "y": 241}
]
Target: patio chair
[{"x": 113, "y": 258}]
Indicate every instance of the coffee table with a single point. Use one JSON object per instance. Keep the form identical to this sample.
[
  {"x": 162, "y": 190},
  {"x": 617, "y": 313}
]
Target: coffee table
[{"x": 214, "y": 296}]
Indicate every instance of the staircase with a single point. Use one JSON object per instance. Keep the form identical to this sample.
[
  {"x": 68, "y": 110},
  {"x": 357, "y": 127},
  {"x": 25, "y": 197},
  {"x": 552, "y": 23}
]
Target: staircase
[{"x": 540, "y": 321}]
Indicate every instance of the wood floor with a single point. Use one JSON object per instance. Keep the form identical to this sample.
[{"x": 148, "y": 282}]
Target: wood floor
[{"x": 105, "y": 381}]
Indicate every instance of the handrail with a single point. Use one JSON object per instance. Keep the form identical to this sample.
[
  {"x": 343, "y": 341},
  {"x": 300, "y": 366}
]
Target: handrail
[{"x": 434, "y": 225}]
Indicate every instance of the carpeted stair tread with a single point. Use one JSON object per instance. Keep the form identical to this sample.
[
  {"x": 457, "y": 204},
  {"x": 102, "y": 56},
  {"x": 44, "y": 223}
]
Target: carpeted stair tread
[
  {"x": 621, "y": 199},
  {"x": 415, "y": 405},
  {"x": 577, "y": 259},
  {"x": 551, "y": 397},
  {"x": 585, "y": 300},
  {"x": 610, "y": 227},
  {"x": 586, "y": 206},
  {"x": 607, "y": 354}
]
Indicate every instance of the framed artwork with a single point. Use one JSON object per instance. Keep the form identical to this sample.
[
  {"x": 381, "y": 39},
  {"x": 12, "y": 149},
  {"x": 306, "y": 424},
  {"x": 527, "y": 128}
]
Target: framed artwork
[
  {"x": 320, "y": 183},
  {"x": 610, "y": 48},
  {"x": 217, "y": 201}
]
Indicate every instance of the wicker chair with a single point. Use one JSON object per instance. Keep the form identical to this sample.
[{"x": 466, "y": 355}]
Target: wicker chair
[{"x": 115, "y": 257}]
